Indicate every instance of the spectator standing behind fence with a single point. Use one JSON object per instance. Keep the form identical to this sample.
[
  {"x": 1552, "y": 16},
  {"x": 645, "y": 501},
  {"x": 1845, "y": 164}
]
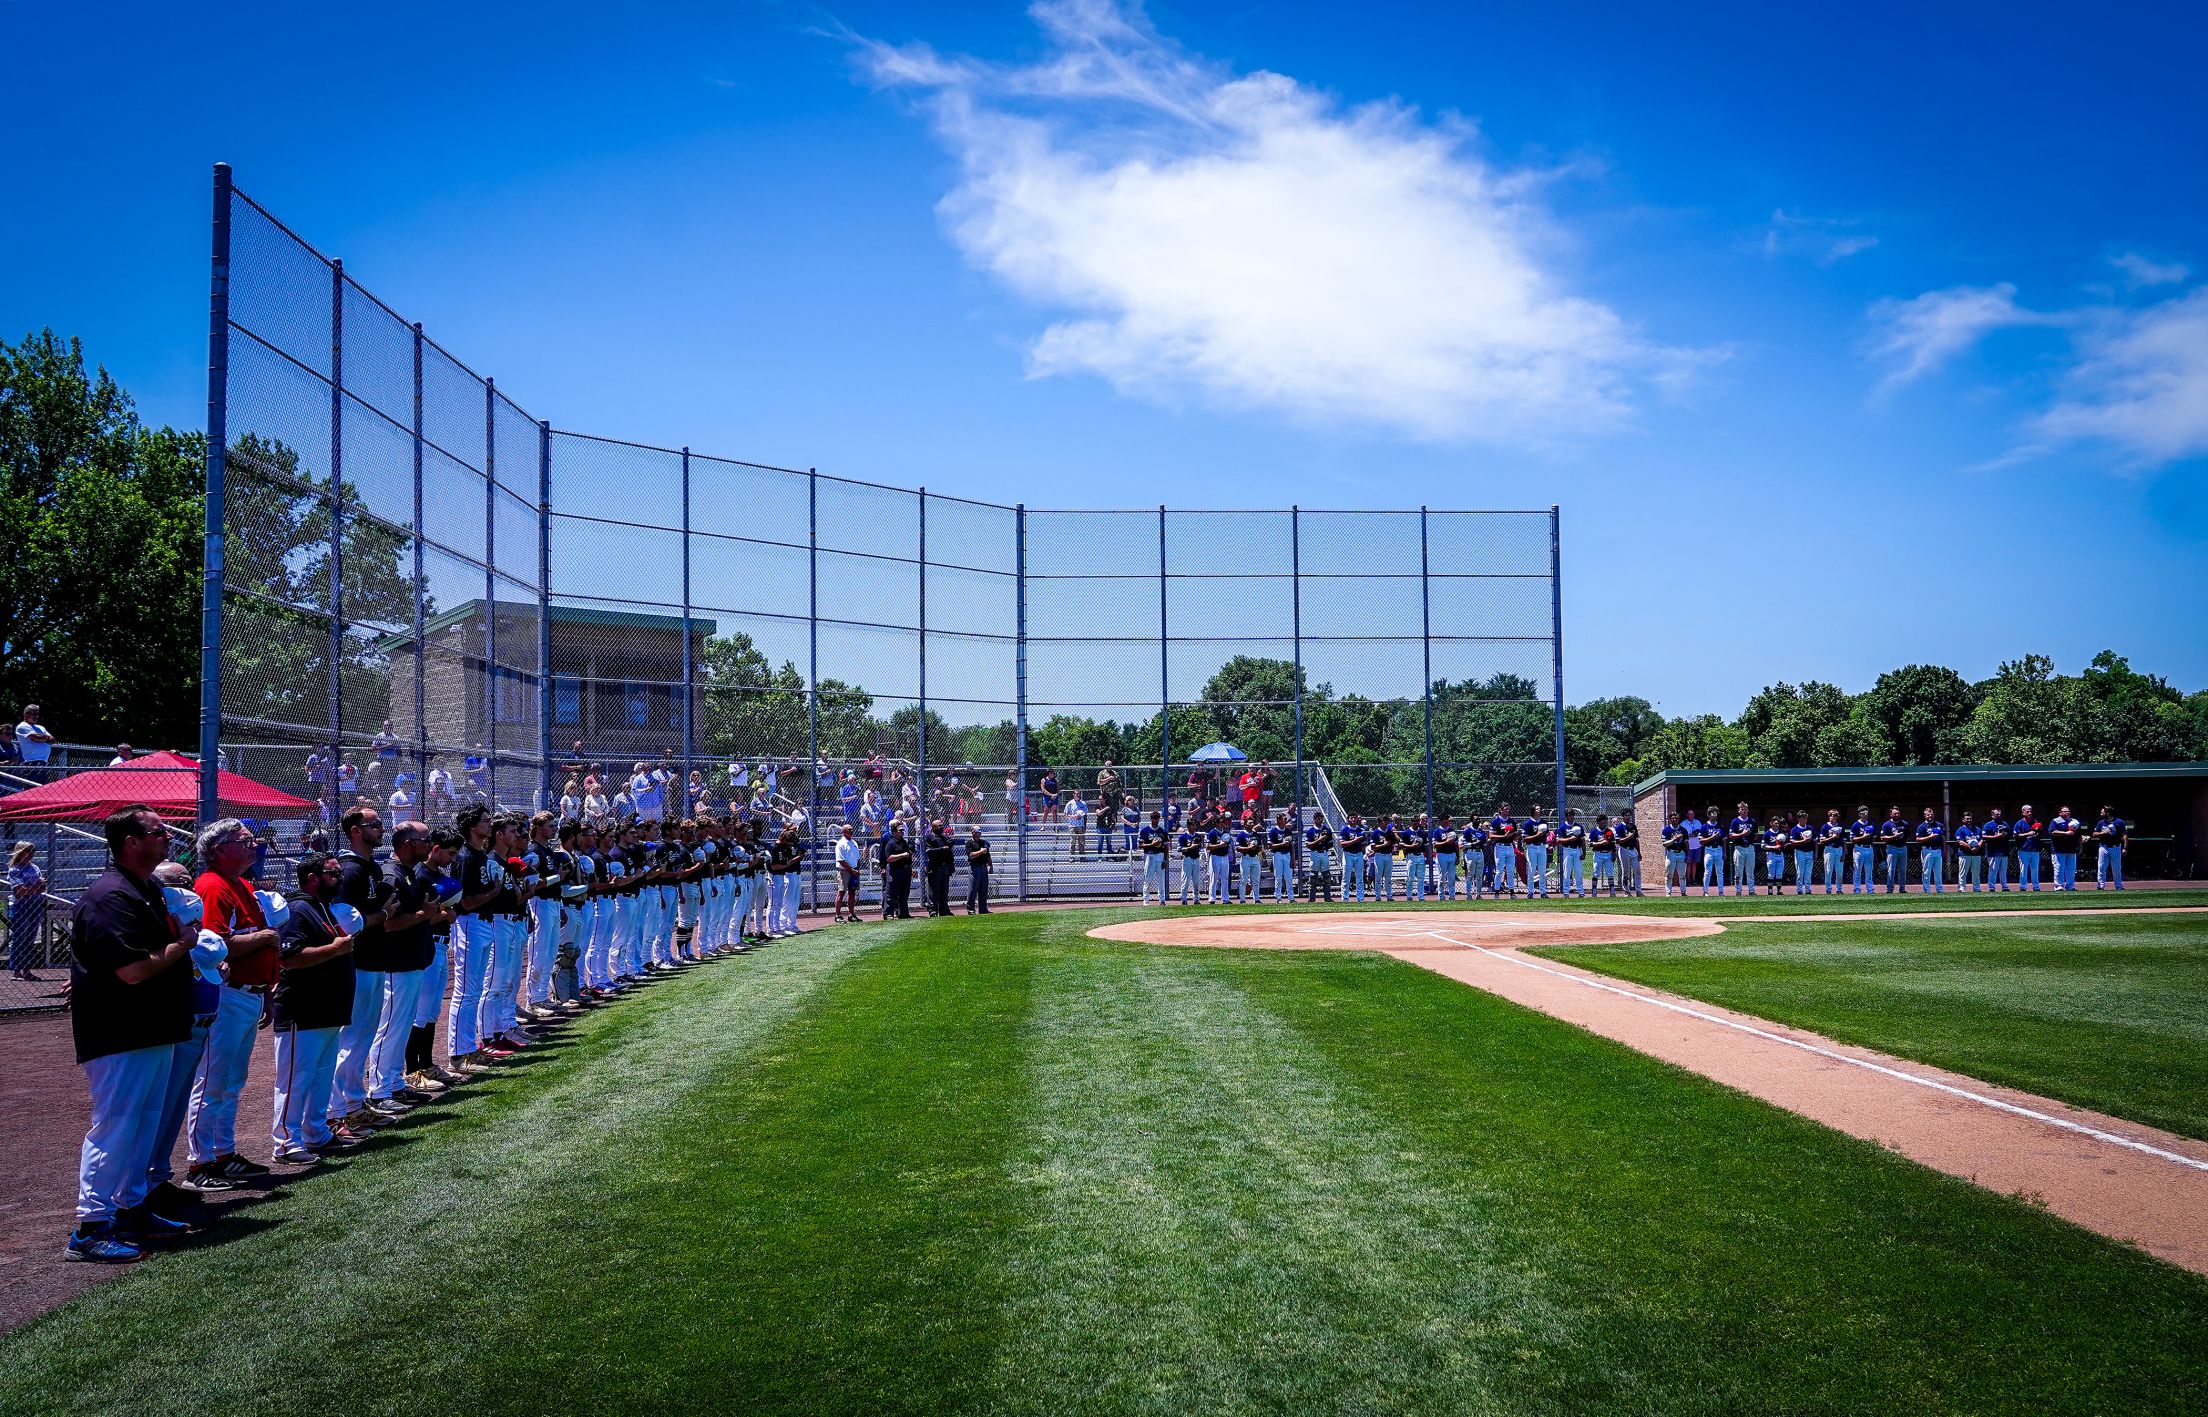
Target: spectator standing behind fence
[
  {"x": 130, "y": 1005},
  {"x": 123, "y": 754},
  {"x": 34, "y": 745},
  {"x": 26, "y": 910}
]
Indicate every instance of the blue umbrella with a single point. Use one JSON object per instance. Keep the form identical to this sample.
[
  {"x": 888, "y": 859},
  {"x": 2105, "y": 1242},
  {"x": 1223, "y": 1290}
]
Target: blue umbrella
[{"x": 1218, "y": 753}]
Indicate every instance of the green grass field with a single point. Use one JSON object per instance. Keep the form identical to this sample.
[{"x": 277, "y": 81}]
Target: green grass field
[
  {"x": 2103, "y": 1012},
  {"x": 996, "y": 1166}
]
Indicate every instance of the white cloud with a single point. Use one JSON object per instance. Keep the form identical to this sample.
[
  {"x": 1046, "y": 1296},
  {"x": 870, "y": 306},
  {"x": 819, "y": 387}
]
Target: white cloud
[
  {"x": 2140, "y": 384},
  {"x": 2139, "y": 270},
  {"x": 1825, "y": 240},
  {"x": 1921, "y": 334},
  {"x": 1252, "y": 241}
]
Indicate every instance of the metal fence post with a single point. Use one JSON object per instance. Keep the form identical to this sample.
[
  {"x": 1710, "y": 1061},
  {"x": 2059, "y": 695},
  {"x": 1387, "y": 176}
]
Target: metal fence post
[
  {"x": 921, "y": 762},
  {"x": 544, "y": 613},
  {"x": 1426, "y": 649},
  {"x": 1556, "y": 641},
  {"x": 421, "y": 580},
  {"x": 335, "y": 710},
  {"x": 1017, "y": 804},
  {"x": 1295, "y": 600},
  {"x": 812, "y": 671},
  {"x": 489, "y": 744},
  {"x": 689, "y": 655},
  {"x": 1165, "y": 686},
  {"x": 211, "y": 537}
]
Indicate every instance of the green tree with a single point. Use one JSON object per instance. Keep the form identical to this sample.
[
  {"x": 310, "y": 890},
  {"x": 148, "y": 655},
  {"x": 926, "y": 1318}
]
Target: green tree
[
  {"x": 1603, "y": 733},
  {"x": 1918, "y": 712},
  {"x": 1787, "y": 725},
  {"x": 2024, "y": 715},
  {"x": 1252, "y": 700},
  {"x": 84, "y": 485}
]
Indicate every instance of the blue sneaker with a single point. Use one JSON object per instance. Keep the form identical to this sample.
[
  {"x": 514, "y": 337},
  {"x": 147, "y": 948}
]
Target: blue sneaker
[{"x": 98, "y": 1244}]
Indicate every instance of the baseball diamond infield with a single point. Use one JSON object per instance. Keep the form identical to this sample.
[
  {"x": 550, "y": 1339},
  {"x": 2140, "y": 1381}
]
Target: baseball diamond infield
[{"x": 2115, "y": 1177}]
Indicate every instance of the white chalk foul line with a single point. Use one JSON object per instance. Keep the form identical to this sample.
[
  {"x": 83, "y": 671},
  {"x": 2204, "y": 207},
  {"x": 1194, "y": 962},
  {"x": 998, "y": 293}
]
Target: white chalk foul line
[{"x": 1935, "y": 1084}]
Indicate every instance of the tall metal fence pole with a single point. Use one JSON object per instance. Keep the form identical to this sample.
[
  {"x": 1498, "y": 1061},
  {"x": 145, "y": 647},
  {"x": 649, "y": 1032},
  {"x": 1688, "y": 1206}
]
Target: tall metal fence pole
[
  {"x": 1165, "y": 682},
  {"x": 689, "y": 658},
  {"x": 336, "y": 592},
  {"x": 1295, "y": 601},
  {"x": 489, "y": 747},
  {"x": 812, "y": 669},
  {"x": 421, "y": 585},
  {"x": 1426, "y": 647},
  {"x": 211, "y": 537},
  {"x": 544, "y": 615},
  {"x": 921, "y": 762},
  {"x": 1017, "y": 802},
  {"x": 1556, "y": 641}
]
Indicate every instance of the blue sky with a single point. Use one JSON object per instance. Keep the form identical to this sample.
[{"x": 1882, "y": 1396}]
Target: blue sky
[{"x": 1780, "y": 307}]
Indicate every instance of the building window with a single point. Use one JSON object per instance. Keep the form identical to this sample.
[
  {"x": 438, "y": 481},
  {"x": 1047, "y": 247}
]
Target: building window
[
  {"x": 516, "y": 696},
  {"x": 567, "y": 702},
  {"x": 636, "y": 705}
]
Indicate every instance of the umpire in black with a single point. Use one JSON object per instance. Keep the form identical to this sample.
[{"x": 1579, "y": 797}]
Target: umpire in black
[
  {"x": 977, "y": 872},
  {"x": 938, "y": 847}
]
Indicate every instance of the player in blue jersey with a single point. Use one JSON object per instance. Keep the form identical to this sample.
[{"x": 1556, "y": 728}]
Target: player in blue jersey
[
  {"x": 1713, "y": 852},
  {"x": 2064, "y": 833},
  {"x": 1502, "y": 840},
  {"x": 1152, "y": 843},
  {"x": 1680, "y": 838},
  {"x": 1740, "y": 839},
  {"x": 1832, "y": 842},
  {"x": 1893, "y": 844},
  {"x": 1995, "y": 837},
  {"x": 1281, "y": 842},
  {"x": 1801, "y": 839},
  {"x": 1353, "y": 859},
  {"x": 1318, "y": 845},
  {"x": 1931, "y": 851},
  {"x": 1448, "y": 845},
  {"x": 1534, "y": 832},
  {"x": 2109, "y": 835},
  {"x": 1571, "y": 852}
]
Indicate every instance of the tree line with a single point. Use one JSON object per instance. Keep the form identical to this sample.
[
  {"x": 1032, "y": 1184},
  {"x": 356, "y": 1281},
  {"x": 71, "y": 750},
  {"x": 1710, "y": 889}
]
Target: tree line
[{"x": 99, "y": 623}]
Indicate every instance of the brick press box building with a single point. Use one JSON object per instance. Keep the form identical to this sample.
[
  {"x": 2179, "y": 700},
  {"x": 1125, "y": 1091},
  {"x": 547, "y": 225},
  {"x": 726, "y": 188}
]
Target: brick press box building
[
  {"x": 2166, "y": 804},
  {"x": 616, "y": 677}
]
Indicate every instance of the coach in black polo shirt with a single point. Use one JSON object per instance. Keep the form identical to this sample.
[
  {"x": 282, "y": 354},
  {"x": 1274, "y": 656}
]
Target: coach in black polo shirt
[
  {"x": 361, "y": 885},
  {"x": 130, "y": 1004},
  {"x": 311, "y": 1003}
]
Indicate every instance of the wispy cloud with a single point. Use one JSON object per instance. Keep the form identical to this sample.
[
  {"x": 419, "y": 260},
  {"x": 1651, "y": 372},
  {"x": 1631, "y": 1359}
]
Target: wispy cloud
[
  {"x": 1251, "y": 241},
  {"x": 2140, "y": 271},
  {"x": 1919, "y": 335},
  {"x": 1825, "y": 240},
  {"x": 2140, "y": 385},
  {"x": 2136, "y": 380}
]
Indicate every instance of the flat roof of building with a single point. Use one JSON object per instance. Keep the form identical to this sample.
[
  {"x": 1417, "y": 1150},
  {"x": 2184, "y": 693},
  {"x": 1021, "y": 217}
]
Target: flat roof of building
[
  {"x": 1935, "y": 772},
  {"x": 558, "y": 615}
]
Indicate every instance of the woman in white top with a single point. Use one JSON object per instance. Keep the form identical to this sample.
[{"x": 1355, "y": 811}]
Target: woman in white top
[
  {"x": 596, "y": 803},
  {"x": 571, "y": 799}
]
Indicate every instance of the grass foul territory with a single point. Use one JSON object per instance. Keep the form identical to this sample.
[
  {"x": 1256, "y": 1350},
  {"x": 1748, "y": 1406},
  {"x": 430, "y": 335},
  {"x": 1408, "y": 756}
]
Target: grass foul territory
[
  {"x": 996, "y": 1166},
  {"x": 2103, "y": 1012}
]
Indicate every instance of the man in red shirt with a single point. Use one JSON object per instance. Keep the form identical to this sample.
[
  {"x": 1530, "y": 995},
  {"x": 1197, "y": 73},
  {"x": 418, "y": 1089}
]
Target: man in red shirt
[
  {"x": 225, "y": 849},
  {"x": 1251, "y": 788}
]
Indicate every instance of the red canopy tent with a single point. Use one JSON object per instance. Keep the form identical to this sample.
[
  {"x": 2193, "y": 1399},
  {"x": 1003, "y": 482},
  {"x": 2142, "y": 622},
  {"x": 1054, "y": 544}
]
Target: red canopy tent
[{"x": 166, "y": 782}]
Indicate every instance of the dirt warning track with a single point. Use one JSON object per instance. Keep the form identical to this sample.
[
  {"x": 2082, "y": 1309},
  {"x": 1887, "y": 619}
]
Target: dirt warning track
[{"x": 2119, "y": 1178}]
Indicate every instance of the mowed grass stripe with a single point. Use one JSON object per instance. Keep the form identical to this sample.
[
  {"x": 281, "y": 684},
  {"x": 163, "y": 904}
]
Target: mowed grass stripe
[
  {"x": 1217, "y": 1226},
  {"x": 1717, "y": 1254},
  {"x": 401, "y": 1272},
  {"x": 2102, "y": 1012},
  {"x": 815, "y": 1233}
]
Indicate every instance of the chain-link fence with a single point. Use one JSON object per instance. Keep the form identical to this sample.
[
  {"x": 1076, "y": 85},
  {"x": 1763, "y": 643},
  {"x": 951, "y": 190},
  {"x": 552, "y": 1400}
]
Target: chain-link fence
[{"x": 426, "y": 597}]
